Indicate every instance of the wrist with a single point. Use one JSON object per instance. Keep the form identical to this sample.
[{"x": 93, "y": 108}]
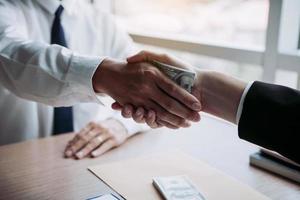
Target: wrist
[
  {"x": 219, "y": 94},
  {"x": 115, "y": 126},
  {"x": 200, "y": 88},
  {"x": 103, "y": 76}
]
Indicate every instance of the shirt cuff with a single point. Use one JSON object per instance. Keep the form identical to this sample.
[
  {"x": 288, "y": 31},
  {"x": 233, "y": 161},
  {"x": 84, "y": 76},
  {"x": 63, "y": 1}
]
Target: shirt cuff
[
  {"x": 241, "y": 104},
  {"x": 81, "y": 72},
  {"x": 131, "y": 126}
]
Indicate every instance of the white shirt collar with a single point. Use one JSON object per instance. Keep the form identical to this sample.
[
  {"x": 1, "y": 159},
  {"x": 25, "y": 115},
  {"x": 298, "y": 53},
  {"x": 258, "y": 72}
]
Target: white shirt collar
[{"x": 52, "y": 5}]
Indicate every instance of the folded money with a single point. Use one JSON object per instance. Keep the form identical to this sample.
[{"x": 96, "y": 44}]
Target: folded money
[
  {"x": 177, "y": 188},
  {"x": 182, "y": 77}
]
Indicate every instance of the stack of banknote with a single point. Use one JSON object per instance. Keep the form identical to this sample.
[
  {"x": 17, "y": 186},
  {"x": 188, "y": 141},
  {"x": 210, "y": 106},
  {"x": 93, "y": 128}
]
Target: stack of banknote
[
  {"x": 177, "y": 188},
  {"x": 182, "y": 77}
]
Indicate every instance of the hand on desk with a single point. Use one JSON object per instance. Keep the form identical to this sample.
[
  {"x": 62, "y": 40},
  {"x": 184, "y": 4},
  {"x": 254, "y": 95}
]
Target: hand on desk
[{"x": 96, "y": 138}]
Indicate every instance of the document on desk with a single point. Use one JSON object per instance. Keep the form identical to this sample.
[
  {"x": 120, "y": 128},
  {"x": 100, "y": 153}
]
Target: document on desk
[{"x": 133, "y": 178}]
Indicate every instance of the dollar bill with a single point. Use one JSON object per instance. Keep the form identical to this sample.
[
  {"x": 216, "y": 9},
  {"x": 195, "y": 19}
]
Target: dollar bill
[
  {"x": 183, "y": 78},
  {"x": 177, "y": 188}
]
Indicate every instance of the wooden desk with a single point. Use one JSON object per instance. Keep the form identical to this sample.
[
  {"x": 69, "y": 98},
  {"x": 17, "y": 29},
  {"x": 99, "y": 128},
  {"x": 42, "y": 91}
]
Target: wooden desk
[{"x": 36, "y": 169}]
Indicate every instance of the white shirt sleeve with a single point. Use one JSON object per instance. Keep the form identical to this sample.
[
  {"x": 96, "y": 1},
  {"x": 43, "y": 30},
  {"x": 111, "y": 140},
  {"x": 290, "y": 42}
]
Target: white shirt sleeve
[
  {"x": 40, "y": 72},
  {"x": 131, "y": 126},
  {"x": 241, "y": 104}
]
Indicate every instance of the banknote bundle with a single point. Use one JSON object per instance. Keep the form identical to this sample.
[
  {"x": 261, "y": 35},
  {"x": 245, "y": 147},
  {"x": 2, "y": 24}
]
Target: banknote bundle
[
  {"x": 177, "y": 188},
  {"x": 182, "y": 77}
]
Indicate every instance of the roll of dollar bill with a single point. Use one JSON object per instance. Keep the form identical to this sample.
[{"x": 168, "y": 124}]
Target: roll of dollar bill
[{"x": 182, "y": 77}]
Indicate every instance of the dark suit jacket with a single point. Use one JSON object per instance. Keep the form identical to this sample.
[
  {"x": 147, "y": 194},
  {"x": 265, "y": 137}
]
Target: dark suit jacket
[{"x": 271, "y": 119}]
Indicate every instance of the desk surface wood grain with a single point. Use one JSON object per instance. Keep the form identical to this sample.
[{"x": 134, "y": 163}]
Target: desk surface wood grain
[{"x": 36, "y": 169}]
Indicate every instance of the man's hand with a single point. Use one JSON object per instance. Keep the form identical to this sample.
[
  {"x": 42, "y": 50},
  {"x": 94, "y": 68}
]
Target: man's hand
[
  {"x": 218, "y": 93},
  {"x": 96, "y": 139},
  {"x": 144, "y": 115},
  {"x": 143, "y": 85}
]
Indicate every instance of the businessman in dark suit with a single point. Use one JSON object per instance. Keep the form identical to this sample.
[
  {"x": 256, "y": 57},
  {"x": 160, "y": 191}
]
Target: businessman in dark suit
[{"x": 266, "y": 114}]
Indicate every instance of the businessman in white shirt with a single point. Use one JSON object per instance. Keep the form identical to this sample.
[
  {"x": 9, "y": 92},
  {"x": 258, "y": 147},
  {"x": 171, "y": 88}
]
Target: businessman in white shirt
[{"x": 58, "y": 54}]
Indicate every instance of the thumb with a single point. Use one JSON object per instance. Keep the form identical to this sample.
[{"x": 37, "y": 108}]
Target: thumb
[
  {"x": 145, "y": 56},
  {"x": 139, "y": 57}
]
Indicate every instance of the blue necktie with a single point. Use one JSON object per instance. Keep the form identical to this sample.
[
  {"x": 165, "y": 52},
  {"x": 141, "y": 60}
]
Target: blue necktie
[{"x": 63, "y": 116}]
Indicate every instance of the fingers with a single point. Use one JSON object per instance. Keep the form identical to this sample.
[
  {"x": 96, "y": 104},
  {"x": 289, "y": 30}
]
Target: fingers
[
  {"x": 166, "y": 124},
  {"x": 175, "y": 107},
  {"x": 93, "y": 144},
  {"x": 116, "y": 106},
  {"x": 127, "y": 111},
  {"x": 107, "y": 145},
  {"x": 151, "y": 116},
  {"x": 80, "y": 139},
  {"x": 141, "y": 116},
  {"x": 138, "y": 116},
  {"x": 166, "y": 116},
  {"x": 151, "y": 119},
  {"x": 179, "y": 94}
]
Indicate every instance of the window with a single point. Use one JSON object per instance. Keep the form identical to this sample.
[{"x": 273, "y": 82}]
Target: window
[
  {"x": 251, "y": 39},
  {"x": 213, "y": 21}
]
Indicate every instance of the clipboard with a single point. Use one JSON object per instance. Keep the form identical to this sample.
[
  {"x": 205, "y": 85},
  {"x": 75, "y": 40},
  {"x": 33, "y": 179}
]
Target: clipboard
[{"x": 132, "y": 178}]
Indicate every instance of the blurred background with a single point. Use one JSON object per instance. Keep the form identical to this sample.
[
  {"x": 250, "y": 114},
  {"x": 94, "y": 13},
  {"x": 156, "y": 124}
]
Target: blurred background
[{"x": 250, "y": 39}]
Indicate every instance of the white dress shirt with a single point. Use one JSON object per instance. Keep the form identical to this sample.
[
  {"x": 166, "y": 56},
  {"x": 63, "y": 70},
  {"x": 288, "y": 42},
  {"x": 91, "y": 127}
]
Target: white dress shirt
[{"x": 35, "y": 76}]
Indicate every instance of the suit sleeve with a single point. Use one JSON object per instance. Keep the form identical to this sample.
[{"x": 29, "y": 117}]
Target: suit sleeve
[{"x": 270, "y": 118}]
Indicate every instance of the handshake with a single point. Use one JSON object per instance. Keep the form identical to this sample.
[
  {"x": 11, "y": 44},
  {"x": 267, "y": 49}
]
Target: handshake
[
  {"x": 163, "y": 91},
  {"x": 158, "y": 90},
  {"x": 149, "y": 91}
]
